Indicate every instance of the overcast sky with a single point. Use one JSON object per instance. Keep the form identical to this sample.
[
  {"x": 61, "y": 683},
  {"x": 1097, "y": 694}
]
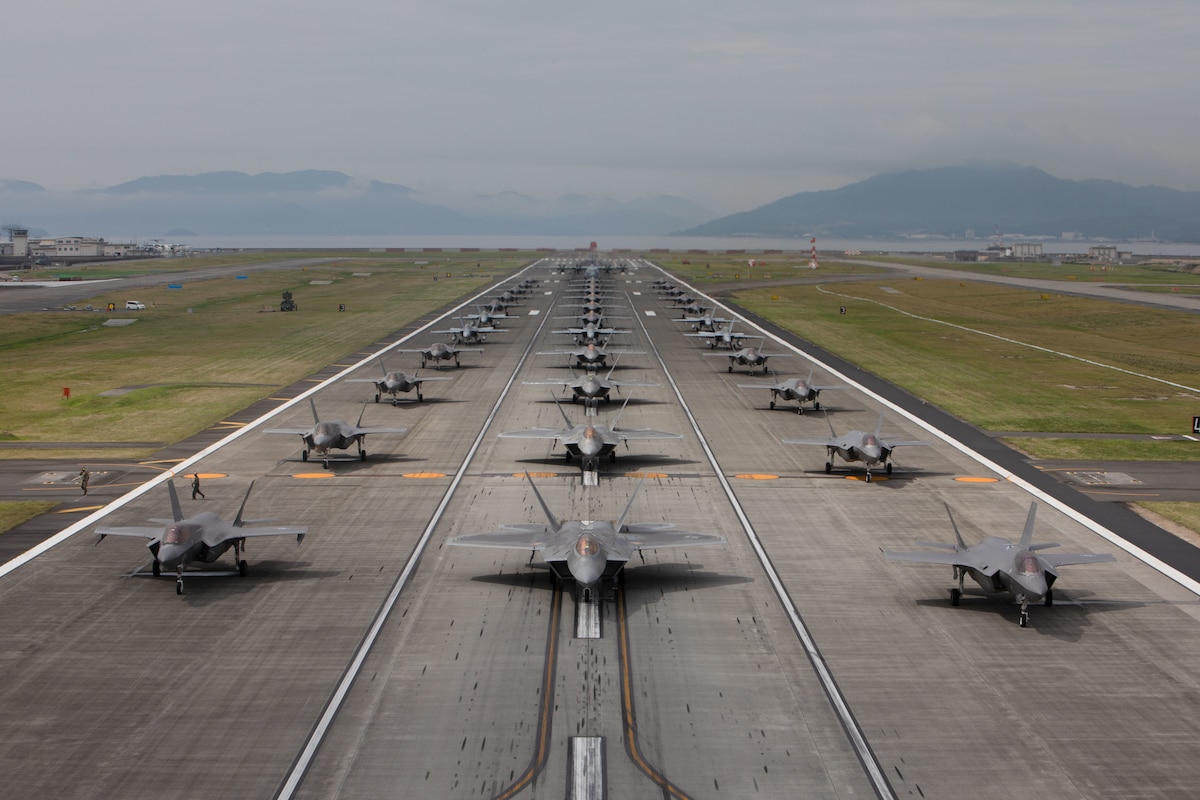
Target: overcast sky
[{"x": 732, "y": 104}]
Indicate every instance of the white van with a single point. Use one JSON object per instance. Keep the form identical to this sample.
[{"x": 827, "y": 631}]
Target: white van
[{"x": 134, "y": 305}]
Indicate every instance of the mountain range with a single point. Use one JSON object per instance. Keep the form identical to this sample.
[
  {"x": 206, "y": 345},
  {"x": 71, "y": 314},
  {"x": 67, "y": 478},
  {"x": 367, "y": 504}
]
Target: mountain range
[
  {"x": 319, "y": 202},
  {"x": 947, "y": 201},
  {"x": 950, "y": 201}
]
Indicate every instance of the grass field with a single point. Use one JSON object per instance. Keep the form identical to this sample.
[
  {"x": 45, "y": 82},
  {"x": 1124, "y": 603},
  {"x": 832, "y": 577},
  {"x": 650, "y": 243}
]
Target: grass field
[
  {"x": 211, "y": 348},
  {"x": 13, "y": 513}
]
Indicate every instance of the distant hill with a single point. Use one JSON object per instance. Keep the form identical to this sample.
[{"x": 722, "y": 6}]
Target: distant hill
[
  {"x": 327, "y": 202},
  {"x": 948, "y": 201}
]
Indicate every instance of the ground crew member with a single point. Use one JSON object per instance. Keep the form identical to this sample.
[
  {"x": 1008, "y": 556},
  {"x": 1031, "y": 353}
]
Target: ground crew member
[
  {"x": 84, "y": 476},
  {"x": 196, "y": 486}
]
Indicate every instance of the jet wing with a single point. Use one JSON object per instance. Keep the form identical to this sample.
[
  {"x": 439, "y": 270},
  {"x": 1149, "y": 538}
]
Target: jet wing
[
  {"x": 1055, "y": 560},
  {"x": 144, "y": 533},
  {"x": 889, "y": 443},
  {"x": 619, "y": 384},
  {"x": 982, "y": 563},
  {"x": 630, "y": 434},
  {"x": 536, "y": 433},
  {"x": 651, "y": 536},
  {"x": 294, "y": 431},
  {"x": 366, "y": 431},
  {"x": 508, "y": 537},
  {"x": 422, "y": 379},
  {"x": 821, "y": 442}
]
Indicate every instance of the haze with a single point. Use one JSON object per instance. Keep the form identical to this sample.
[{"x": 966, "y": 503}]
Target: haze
[{"x": 729, "y": 104}]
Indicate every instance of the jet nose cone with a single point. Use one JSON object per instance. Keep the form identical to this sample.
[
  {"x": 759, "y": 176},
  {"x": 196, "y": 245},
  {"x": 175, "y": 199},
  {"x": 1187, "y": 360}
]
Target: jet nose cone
[
  {"x": 169, "y": 555},
  {"x": 587, "y": 572},
  {"x": 871, "y": 452},
  {"x": 1034, "y": 585},
  {"x": 590, "y": 446}
]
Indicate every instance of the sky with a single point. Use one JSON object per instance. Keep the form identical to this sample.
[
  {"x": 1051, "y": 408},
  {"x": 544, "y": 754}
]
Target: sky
[{"x": 732, "y": 105}]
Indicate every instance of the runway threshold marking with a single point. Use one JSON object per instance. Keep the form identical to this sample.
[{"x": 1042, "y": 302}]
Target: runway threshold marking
[
  {"x": 545, "y": 708},
  {"x": 587, "y": 768},
  {"x": 629, "y": 715}
]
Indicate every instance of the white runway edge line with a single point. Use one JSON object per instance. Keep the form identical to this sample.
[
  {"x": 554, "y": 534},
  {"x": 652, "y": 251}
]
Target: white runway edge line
[
  {"x": 296, "y": 774},
  {"x": 133, "y": 494},
  {"x": 1153, "y": 562},
  {"x": 854, "y": 733}
]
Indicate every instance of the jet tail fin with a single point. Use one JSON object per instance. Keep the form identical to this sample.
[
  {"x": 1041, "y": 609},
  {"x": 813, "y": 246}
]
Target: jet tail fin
[
  {"x": 829, "y": 422},
  {"x": 176, "y": 509},
  {"x": 879, "y": 425},
  {"x": 313, "y": 404},
  {"x": 1027, "y": 534},
  {"x": 629, "y": 505},
  {"x": 554, "y": 521},
  {"x": 237, "y": 521},
  {"x": 361, "y": 414},
  {"x": 957, "y": 536}
]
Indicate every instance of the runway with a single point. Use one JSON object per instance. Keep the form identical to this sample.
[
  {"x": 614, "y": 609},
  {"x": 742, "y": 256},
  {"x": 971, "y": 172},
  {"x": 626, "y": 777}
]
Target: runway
[{"x": 795, "y": 661}]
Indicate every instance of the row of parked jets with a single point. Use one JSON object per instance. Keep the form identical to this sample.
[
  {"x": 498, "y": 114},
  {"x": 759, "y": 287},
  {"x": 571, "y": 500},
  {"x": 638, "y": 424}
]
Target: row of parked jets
[{"x": 589, "y": 552}]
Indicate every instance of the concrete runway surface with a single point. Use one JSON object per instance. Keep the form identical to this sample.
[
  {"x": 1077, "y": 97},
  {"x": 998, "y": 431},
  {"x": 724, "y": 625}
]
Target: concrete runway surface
[{"x": 794, "y": 661}]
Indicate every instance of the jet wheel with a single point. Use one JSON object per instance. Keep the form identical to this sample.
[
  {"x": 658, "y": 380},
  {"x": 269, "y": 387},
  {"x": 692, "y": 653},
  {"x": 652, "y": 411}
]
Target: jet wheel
[
  {"x": 828, "y": 467},
  {"x": 889, "y": 468},
  {"x": 955, "y": 596},
  {"x": 362, "y": 455},
  {"x": 242, "y": 568},
  {"x": 377, "y": 397},
  {"x": 304, "y": 455},
  {"x": 1024, "y": 620},
  {"x": 156, "y": 568},
  {"x": 179, "y": 586},
  {"x": 772, "y": 405},
  {"x": 1048, "y": 600}
]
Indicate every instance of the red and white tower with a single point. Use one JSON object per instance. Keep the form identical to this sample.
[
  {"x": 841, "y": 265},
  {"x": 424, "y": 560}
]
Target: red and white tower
[{"x": 812, "y": 261}]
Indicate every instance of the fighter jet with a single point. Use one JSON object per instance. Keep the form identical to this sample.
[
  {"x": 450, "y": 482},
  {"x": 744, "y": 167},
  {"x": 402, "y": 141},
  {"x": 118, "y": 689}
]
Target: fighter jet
[
  {"x": 590, "y": 387},
  {"x": 440, "y": 351},
  {"x": 591, "y": 355},
  {"x": 802, "y": 390},
  {"x": 590, "y": 333},
  {"x": 705, "y": 321},
  {"x": 727, "y": 337},
  {"x": 470, "y": 331},
  {"x": 202, "y": 537},
  {"x": 586, "y": 550},
  {"x": 334, "y": 434},
  {"x": 999, "y": 566},
  {"x": 749, "y": 357},
  {"x": 394, "y": 383},
  {"x": 486, "y": 316},
  {"x": 590, "y": 442},
  {"x": 689, "y": 307},
  {"x": 869, "y": 448}
]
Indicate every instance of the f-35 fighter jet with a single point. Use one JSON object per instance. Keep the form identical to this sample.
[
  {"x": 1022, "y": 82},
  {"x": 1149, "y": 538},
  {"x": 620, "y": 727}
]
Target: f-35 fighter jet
[
  {"x": 869, "y": 448},
  {"x": 1000, "y": 566},
  {"x": 202, "y": 537},
  {"x": 333, "y": 434},
  {"x": 395, "y": 383}
]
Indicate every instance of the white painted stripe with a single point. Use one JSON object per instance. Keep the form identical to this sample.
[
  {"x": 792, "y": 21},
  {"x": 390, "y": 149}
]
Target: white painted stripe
[
  {"x": 1095, "y": 527},
  {"x": 587, "y": 768},
  {"x": 182, "y": 466},
  {"x": 587, "y": 618},
  {"x": 857, "y": 739}
]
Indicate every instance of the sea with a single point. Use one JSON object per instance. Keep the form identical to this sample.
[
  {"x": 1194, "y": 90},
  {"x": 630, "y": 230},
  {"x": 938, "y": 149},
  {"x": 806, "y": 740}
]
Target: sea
[{"x": 677, "y": 244}]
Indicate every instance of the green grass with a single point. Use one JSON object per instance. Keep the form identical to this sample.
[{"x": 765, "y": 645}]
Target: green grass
[
  {"x": 191, "y": 340},
  {"x": 1105, "y": 449},
  {"x": 1001, "y": 385},
  {"x": 13, "y": 513},
  {"x": 1045, "y": 270},
  {"x": 1185, "y": 514}
]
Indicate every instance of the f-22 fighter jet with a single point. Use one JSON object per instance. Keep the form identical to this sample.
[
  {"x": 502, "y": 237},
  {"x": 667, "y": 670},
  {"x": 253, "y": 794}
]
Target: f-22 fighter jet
[
  {"x": 586, "y": 550},
  {"x": 202, "y": 537},
  {"x": 1000, "y": 566}
]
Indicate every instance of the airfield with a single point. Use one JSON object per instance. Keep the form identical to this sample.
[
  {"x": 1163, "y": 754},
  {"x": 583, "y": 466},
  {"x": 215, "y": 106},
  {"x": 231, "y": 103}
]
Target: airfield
[{"x": 794, "y": 661}]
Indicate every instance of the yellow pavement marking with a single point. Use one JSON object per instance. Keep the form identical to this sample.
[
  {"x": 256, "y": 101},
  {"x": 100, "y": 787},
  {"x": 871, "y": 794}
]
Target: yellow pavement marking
[
  {"x": 757, "y": 476},
  {"x": 646, "y": 475},
  {"x": 424, "y": 475},
  {"x": 314, "y": 475},
  {"x": 535, "y": 474},
  {"x": 976, "y": 479},
  {"x": 78, "y": 510},
  {"x": 207, "y": 475}
]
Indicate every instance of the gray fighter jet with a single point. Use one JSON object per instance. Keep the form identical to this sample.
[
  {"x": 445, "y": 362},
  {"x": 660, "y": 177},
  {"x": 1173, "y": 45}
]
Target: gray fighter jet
[
  {"x": 749, "y": 357},
  {"x": 802, "y": 390},
  {"x": 999, "y": 566},
  {"x": 202, "y": 537},
  {"x": 440, "y": 351},
  {"x": 470, "y": 331},
  {"x": 726, "y": 337},
  {"x": 590, "y": 333},
  {"x": 588, "y": 442},
  {"x": 706, "y": 321},
  {"x": 334, "y": 434},
  {"x": 486, "y": 317},
  {"x": 586, "y": 550},
  {"x": 394, "y": 383},
  {"x": 869, "y": 448},
  {"x": 591, "y": 355},
  {"x": 590, "y": 387}
]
